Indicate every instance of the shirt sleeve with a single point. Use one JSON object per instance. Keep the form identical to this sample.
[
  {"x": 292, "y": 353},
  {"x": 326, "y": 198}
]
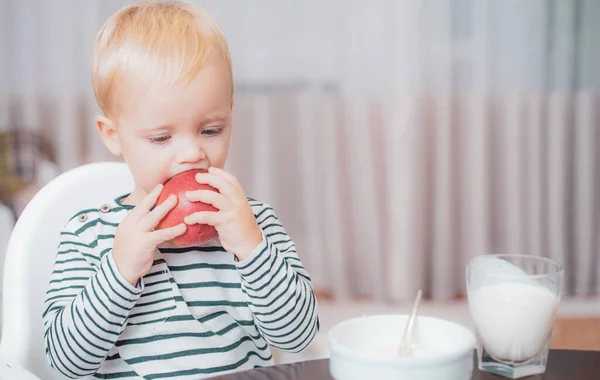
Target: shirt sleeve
[
  {"x": 86, "y": 308},
  {"x": 278, "y": 288}
]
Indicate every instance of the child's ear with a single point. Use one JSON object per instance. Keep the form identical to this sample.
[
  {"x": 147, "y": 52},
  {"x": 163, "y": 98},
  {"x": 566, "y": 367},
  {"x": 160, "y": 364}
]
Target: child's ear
[{"x": 110, "y": 135}]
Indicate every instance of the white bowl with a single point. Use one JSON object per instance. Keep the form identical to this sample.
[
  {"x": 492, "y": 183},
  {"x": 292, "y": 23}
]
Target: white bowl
[{"x": 353, "y": 346}]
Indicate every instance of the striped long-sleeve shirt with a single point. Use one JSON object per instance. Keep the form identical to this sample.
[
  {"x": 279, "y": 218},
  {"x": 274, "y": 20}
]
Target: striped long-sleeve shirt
[{"x": 197, "y": 313}]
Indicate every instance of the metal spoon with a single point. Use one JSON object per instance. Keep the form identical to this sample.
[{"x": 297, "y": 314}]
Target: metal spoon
[{"x": 406, "y": 345}]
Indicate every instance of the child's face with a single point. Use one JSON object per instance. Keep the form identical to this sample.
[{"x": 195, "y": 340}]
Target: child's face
[{"x": 163, "y": 132}]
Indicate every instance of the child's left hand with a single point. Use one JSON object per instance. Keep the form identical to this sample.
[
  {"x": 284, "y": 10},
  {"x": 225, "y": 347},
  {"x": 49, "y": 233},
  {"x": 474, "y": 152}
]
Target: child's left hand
[{"x": 238, "y": 230}]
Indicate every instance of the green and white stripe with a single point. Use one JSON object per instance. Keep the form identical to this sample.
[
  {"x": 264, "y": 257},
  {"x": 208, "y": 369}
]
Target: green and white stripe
[{"x": 197, "y": 313}]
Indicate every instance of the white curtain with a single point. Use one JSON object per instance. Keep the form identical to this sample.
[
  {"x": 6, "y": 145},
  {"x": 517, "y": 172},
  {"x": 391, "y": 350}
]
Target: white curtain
[{"x": 395, "y": 138}]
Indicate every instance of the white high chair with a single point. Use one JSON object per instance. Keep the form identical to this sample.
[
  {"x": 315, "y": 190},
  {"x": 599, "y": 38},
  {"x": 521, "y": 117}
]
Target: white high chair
[
  {"x": 7, "y": 223},
  {"x": 30, "y": 257}
]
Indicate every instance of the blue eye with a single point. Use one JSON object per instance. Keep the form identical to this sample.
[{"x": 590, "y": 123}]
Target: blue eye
[
  {"x": 159, "y": 139},
  {"x": 212, "y": 132}
]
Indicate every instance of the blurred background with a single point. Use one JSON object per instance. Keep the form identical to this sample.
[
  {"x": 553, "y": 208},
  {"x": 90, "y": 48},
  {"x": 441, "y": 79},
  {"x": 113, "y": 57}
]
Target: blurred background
[{"x": 396, "y": 139}]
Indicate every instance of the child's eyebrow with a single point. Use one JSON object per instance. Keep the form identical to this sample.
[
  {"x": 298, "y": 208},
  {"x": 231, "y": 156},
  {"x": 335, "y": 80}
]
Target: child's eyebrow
[
  {"x": 157, "y": 128},
  {"x": 169, "y": 127},
  {"x": 212, "y": 119}
]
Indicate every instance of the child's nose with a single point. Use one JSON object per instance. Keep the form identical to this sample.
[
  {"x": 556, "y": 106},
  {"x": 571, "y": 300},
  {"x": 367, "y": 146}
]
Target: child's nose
[{"x": 190, "y": 152}]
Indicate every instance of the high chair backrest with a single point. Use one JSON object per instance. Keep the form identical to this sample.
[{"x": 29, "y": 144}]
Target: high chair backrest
[{"x": 31, "y": 252}]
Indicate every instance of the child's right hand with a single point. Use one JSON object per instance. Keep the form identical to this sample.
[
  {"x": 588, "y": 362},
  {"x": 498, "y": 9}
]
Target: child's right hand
[{"x": 136, "y": 240}]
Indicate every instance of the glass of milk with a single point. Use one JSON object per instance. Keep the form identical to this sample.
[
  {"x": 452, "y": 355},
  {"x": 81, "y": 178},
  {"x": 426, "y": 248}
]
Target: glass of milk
[{"x": 513, "y": 301}]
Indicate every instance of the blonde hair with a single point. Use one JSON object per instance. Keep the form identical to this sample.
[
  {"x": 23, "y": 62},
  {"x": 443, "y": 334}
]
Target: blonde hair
[{"x": 153, "y": 42}]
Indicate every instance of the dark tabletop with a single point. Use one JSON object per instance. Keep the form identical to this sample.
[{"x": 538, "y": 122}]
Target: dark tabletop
[{"x": 562, "y": 365}]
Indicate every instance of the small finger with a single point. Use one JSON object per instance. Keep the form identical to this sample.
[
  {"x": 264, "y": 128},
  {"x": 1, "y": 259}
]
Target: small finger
[
  {"x": 169, "y": 233},
  {"x": 152, "y": 219},
  {"x": 211, "y": 218},
  {"x": 148, "y": 202},
  {"x": 223, "y": 173},
  {"x": 221, "y": 184},
  {"x": 227, "y": 176},
  {"x": 218, "y": 200}
]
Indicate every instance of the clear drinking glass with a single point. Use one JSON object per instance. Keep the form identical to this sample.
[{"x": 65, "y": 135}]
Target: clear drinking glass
[{"x": 513, "y": 301}]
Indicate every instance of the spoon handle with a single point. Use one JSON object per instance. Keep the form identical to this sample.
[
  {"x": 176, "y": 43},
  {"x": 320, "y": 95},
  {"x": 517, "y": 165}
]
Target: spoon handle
[{"x": 406, "y": 345}]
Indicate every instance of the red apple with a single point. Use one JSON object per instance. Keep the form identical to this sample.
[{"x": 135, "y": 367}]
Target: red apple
[{"x": 197, "y": 234}]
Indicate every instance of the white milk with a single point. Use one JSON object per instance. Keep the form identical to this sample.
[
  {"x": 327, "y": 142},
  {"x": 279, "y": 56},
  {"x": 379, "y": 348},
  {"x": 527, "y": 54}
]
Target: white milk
[
  {"x": 514, "y": 320},
  {"x": 394, "y": 351}
]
